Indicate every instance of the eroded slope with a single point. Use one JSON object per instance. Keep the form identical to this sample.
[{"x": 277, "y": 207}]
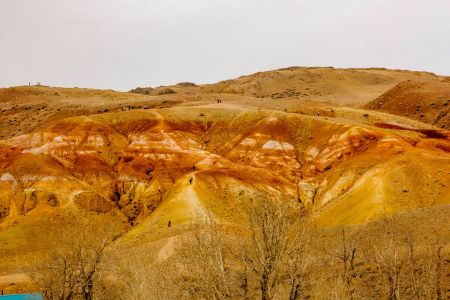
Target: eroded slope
[{"x": 131, "y": 162}]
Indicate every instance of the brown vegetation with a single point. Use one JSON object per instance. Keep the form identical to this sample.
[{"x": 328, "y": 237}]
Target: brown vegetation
[
  {"x": 280, "y": 254},
  {"x": 74, "y": 258}
]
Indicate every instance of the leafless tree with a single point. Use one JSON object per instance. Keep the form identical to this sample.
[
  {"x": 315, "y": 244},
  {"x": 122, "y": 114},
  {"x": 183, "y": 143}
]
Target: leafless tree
[
  {"x": 388, "y": 256},
  {"x": 299, "y": 258},
  {"x": 433, "y": 265},
  {"x": 73, "y": 260},
  {"x": 137, "y": 275},
  {"x": 204, "y": 262},
  {"x": 277, "y": 250},
  {"x": 346, "y": 253},
  {"x": 270, "y": 255}
]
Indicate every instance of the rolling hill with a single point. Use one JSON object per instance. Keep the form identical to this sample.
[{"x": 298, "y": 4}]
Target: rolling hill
[{"x": 312, "y": 136}]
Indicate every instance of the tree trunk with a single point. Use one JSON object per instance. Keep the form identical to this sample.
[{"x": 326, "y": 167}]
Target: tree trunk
[
  {"x": 438, "y": 274},
  {"x": 295, "y": 289},
  {"x": 87, "y": 290},
  {"x": 265, "y": 294}
]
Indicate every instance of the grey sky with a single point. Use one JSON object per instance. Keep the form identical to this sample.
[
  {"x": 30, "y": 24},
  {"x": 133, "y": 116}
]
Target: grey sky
[{"x": 122, "y": 44}]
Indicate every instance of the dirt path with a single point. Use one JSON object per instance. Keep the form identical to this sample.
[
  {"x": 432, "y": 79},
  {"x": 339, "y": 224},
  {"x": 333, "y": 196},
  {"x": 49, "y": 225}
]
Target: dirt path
[
  {"x": 71, "y": 198},
  {"x": 167, "y": 250},
  {"x": 191, "y": 197},
  {"x": 14, "y": 278},
  {"x": 192, "y": 201},
  {"x": 161, "y": 126},
  {"x": 227, "y": 105}
]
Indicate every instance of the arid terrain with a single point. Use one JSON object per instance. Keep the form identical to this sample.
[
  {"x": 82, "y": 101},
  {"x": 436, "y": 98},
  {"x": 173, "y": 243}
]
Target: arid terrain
[{"x": 348, "y": 146}]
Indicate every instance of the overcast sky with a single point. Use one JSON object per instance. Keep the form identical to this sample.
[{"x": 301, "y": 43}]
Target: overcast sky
[{"x": 121, "y": 44}]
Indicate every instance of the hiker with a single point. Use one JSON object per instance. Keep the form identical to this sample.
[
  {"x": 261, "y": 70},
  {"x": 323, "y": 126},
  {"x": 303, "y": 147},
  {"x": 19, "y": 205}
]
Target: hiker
[
  {"x": 193, "y": 168},
  {"x": 190, "y": 180},
  {"x": 169, "y": 224}
]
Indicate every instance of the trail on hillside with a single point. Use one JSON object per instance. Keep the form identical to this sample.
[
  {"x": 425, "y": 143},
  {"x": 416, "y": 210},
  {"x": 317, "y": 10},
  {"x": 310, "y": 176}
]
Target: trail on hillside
[
  {"x": 191, "y": 197},
  {"x": 14, "y": 278}
]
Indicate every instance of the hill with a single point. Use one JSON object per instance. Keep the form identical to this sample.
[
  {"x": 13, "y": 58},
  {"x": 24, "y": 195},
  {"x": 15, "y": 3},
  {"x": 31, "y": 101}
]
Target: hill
[
  {"x": 353, "y": 87},
  {"x": 28, "y": 107},
  {"x": 427, "y": 102},
  {"x": 155, "y": 161}
]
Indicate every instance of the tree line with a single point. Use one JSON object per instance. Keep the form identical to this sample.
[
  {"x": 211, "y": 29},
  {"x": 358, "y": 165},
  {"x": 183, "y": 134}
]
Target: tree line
[{"x": 279, "y": 254}]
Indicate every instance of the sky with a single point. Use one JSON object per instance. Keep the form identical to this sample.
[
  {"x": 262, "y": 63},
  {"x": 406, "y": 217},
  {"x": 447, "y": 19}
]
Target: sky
[{"x": 122, "y": 44}]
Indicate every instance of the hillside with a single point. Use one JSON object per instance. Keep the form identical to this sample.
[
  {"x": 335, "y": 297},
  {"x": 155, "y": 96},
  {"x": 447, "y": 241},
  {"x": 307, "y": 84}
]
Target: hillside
[
  {"x": 155, "y": 161},
  {"x": 136, "y": 158},
  {"x": 25, "y": 108},
  {"x": 428, "y": 102},
  {"x": 353, "y": 87}
]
